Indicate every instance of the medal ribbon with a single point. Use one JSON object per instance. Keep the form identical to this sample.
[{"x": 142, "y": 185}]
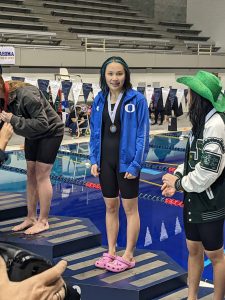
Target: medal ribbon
[{"x": 112, "y": 114}]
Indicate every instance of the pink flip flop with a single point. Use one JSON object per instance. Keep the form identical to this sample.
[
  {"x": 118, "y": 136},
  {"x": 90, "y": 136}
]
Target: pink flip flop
[
  {"x": 102, "y": 261},
  {"x": 119, "y": 265}
]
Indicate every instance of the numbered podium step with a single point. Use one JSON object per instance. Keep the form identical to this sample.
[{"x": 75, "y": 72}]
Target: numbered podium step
[
  {"x": 154, "y": 275},
  {"x": 66, "y": 235},
  {"x": 12, "y": 205}
]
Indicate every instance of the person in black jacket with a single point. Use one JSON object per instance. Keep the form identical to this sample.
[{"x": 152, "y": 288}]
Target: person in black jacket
[
  {"x": 47, "y": 285},
  {"x": 31, "y": 116}
]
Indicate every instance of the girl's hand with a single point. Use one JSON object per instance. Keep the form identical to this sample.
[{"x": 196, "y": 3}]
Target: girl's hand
[
  {"x": 129, "y": 176},
  {"x": 44, "y": 286},
  {"x": 94, "y": 170},
  {"x": 167, "y": 191},
  {"x": 6, "y": 117},
  {"x": 169, "y": 180}
]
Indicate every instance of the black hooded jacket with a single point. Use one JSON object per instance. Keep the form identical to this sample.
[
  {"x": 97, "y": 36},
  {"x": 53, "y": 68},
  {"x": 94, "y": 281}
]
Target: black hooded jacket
[{"x": 33, "y": 117}]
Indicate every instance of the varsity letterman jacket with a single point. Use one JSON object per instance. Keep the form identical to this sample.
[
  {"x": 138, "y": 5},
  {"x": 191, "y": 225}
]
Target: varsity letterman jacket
[{"x": 203, "y": 172}]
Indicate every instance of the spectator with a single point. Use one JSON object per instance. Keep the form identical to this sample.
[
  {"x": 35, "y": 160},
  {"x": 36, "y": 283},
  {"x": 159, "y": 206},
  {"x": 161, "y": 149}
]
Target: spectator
[
  {"x": 202, "y": 178},
  {"x": 82, "y": 121}
]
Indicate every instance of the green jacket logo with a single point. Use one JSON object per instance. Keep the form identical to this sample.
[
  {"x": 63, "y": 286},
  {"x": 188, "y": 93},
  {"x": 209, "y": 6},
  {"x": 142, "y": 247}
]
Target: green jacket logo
[{"x": 195, "y": 155}]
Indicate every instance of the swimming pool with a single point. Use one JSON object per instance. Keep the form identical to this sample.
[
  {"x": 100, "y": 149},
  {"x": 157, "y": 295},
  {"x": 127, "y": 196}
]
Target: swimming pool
[{"x": 75, "y": 194}]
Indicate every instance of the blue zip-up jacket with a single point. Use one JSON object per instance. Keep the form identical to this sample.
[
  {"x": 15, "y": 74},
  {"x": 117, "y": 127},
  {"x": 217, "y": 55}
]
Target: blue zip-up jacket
[{"x": 134, "y": 136}]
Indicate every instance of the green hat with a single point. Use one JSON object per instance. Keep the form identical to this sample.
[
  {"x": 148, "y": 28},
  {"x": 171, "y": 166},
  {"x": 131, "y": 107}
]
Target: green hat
[{"x": 208, "y": 86}]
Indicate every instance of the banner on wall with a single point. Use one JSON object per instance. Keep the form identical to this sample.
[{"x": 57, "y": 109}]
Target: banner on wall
[
  {"x": 7, "y": 78},
  {"x": 149, "y": 92},
  {"x": 55, "y": 86},
  {"x": 66, "y": 87},
  {"x": 172, "y": 96},
  {"x": 180, "y": 95},
  {"x": 87, "y": 88},
  {"x": 17, "y": 78},
  {"x": 7, "y": 55},
  {"x": 157, "y": 96},
  {"x": 72, "y": 91},
  {"x": 31, "y": 81},
  {"x": 165, "y": 93},
  {"x": 141, "y": 89},
  {"x": 43, "y": 85},
  {"x": 76, "y": 89}
]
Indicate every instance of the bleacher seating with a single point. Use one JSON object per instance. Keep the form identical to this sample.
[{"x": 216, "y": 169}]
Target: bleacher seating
[
  {"x": 109, "y": 24},
  {"x": 103, "y": 10},
  {"x": 175, "y": 24},
  {"x": 14, "y": 15},
  {"x": 122, "y": 42},
  {"x": 19, "y": 25},
  {"x": 30, "y": 33},
  {"x": 97, "y": 16},
  {"x": 183, "y": 30},
  {"x": 17, "y": 9},
  {"x": 94, "y": 3},
  {"x": 192, "y": 38},
  {"x": 106, "y": 18},
  {"x": 22, "y": 25},
  {"x": 201, "y": 47},
  {"x": 16, "y": 2},
  {"x": 18, "y": 17},
  {"x": 12, "y": 36},
  {"x": 113, "y": 31}
]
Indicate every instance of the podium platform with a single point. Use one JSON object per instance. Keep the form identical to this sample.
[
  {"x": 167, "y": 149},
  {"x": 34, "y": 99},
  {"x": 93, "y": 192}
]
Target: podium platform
[
  {"x": 78, "y": 241},
  {"x": 65, "y": 235},
  {"x": 12, "y": 205},
  {"x": 155, "y": 274},
  {"x": 205, "y": 293}
]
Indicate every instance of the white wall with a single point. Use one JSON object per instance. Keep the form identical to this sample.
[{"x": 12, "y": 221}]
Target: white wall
[
  {"x": 43, "y": 58},
  {"x": 208, "y": 16}
]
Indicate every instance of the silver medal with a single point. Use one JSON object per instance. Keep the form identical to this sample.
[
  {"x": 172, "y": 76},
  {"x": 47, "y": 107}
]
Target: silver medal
[{"x": 113, "y": 128}]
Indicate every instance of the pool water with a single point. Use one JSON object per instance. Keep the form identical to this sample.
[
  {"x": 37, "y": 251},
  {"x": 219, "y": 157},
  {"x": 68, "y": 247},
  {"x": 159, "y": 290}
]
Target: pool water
[{"x": 161, "y": 224}]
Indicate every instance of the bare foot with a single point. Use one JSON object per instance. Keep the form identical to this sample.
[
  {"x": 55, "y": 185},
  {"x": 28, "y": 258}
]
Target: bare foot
[
  {"x": 37, "y": 228},
  {"x": 25, "y": 224}
]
